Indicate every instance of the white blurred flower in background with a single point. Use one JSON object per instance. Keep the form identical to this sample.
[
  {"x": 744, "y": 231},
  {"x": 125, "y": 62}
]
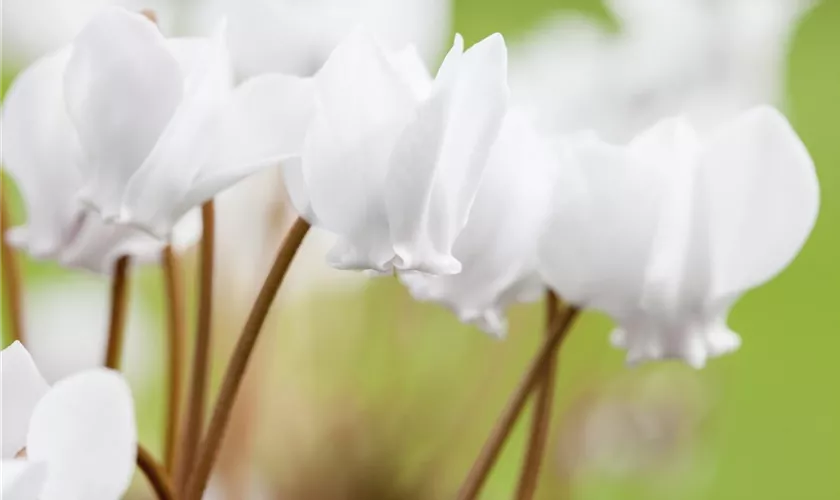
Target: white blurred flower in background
[
  {"x": 297, "y": 36},
  {"x": 66, "y": 324},
  {"x": 290, "y": 36},
  {"x": 34, "y": 28},
  {"x": 256, "y": 488},
  {"x": 709, "y": 59},
  {"x": 641, "y": 423}
]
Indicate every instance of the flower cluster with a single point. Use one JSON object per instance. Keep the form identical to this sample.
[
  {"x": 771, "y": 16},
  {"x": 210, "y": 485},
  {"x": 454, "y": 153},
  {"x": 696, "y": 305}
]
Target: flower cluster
[
  {"x": 116, "y": 139},
  {"x": 113, "y": 143}
]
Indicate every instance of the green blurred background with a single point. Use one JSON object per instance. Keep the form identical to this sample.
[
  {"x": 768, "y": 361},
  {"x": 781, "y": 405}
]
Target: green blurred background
[{"x": 373, "y": 393}]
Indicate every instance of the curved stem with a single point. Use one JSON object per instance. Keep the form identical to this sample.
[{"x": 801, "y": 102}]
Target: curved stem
[
  {"x": 194, "y": 421},
  {"x": 542, "y": 413},
  {"x": 239, "y": 361},
  {"x": 175, "y": 336},
  {"x": 119, "y": 303},
  {"x": 11, "y": 273},
  {"x": 155, "y": 474},
  {"x": 481, "y": 468}
]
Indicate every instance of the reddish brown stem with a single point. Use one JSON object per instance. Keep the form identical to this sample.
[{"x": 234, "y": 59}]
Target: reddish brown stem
[
  {"x": 175, "y": 338},
  {"x": 155, "y": 474},
  {"x": 239, "y": 361},
  {"x": 11, "y": 272},
  {"x": 542, "y": 413},
  {"x": 119, "y": 306},
  {"x": 197, "y": 401},
  {"x": 490, "y": 452}
]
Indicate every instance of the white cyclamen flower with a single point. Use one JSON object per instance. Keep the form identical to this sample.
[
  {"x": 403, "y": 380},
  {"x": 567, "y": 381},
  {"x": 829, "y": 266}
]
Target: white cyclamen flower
[
  {"x": 667, "y": 233},
  {"x": 710, "y": 60},
  {"x": 294, "y": 37},
  {"x": 160, "y": 125},
  {"x": 287, "y": 36},
  {"x": 498, "y": 246},
  {"x": 76, "y": 440},
  {"x": 34, "y": 28},
  {"x": 392, "y": 161},
  {"x": 42, "y": 153}
]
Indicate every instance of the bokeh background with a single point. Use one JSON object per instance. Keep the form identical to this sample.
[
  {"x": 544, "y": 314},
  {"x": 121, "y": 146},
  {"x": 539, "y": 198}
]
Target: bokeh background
[{"x": 360, "y": 392}]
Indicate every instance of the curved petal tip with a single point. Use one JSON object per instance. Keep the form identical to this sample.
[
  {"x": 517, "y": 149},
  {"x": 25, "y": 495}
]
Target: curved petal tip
[{"x": 434, "y": 263}]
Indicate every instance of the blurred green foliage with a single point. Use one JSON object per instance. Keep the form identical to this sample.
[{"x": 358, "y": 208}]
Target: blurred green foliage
[{"x": 774, "y": 430}]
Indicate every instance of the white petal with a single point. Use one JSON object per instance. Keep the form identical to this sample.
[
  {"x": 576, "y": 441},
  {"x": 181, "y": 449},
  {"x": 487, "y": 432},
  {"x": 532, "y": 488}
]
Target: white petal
[
  {"x": 678, "y": 267},
  {"x": 84, "y": 430},
  {"x": 41, "y": 152},
  {"x": 22, "y": 387},
  {"x": 498, "y": 245},
  {"x": 361, "y": 106},
  {"x": 367, "y": 250},
  {"x": 284, "y": 37},
  {"x": 264, "y": 124},
  {"x": 294, "y": 37},
  {"x": 187, "y": 231},
  {"x": 692, "y": 339},
  {"x": 669, "y": 140},
  {"x": 154, "y": 196},
  {"x": 597, "y": 242},
  {"x": 297, "y": 189},
  {"x": 268, "y": 118},
  {"x": 448, "y": 70},
  {"x": 437, "y": 165},
  {"x": 637, "y": 248},
  {"x": 22, "y": 479},
  {"x": 424, "y": 23},
  {"x": 93, "y": 244},
  {"x": 410, "y": 195},
  {"x": 410, "y": 66},
  {"x": 34, "y": 28},
  {"x": 761, "y": 190},
  {"x": 97, "y": 244},
  {"x": 193, "y": 53},
  {"x": 122, "y": 86}
]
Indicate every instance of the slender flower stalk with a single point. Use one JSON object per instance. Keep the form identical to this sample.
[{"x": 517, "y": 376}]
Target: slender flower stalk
[
  {"x": 481, "y": 468},
  {"x": 155, "y": 474},
  {"x": 239, "y": 361},
  {"x": 542, "y": 413},
  {"x": 119, "y": 304},
  {"x": 11, "y": 273},
  {"x": 175, "y": 335},
  {"x": 197, "y": 402}
]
